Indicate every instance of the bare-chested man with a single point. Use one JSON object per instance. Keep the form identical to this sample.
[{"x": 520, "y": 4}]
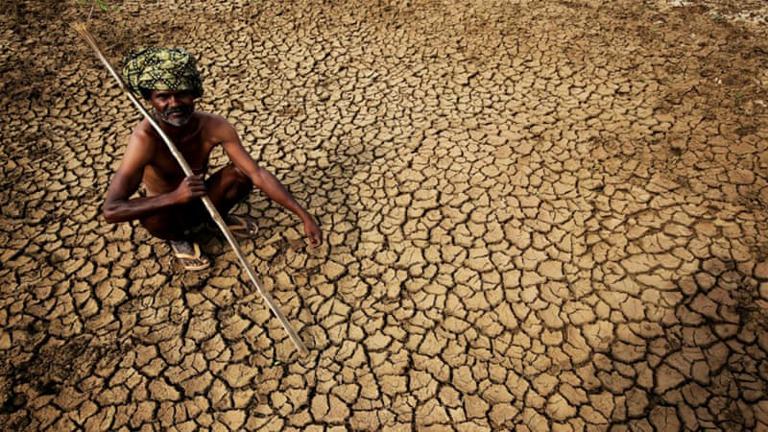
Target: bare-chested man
[{"x": 171, "y": 210}]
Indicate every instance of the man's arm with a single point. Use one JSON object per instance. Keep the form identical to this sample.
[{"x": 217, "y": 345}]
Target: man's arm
[
  {"x": 119, "y": 208},
  {"x": 264, "y": 180}
]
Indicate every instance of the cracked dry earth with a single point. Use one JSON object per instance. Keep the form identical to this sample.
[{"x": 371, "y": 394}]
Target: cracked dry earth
[{"x": 538, "y": 216}]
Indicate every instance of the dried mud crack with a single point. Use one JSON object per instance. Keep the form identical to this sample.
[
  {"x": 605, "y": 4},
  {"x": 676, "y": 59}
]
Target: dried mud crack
[{"x": 539, "y": 216}]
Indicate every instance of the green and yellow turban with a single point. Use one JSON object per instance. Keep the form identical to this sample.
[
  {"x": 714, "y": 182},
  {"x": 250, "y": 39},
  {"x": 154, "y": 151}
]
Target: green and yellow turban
[{"x": 162, "y": 69}]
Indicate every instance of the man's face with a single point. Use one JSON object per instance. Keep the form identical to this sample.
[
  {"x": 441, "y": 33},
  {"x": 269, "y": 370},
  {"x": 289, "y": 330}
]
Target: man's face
[{"x": 173, "y": 107}]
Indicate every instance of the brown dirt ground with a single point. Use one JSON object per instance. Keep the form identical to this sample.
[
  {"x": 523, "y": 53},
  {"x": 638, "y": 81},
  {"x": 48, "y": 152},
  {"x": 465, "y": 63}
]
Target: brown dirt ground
[{"x": 538, "y": 216}]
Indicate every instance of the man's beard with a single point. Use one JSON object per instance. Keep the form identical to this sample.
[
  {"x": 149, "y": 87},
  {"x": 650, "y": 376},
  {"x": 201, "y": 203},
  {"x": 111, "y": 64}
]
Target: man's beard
[{"x": 168, "y": 116}]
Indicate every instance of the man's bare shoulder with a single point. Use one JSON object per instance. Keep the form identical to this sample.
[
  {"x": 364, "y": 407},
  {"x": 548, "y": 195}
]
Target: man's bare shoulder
[
  {"x": 213, "y": 121},
  {"x": 143, "y": 133},
  {"x": 217, "y": 128},
  {"x": 142, "y": 142}
]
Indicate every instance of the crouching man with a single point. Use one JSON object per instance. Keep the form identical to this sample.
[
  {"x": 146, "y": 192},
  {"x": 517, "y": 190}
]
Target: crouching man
[{"x": 171, "y": 209}]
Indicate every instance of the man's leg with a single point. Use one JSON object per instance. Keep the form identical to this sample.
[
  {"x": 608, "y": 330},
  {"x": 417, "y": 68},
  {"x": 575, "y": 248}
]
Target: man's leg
[
  {"x": 227, "y": 187},
  {"x": 174, "y": 223}
]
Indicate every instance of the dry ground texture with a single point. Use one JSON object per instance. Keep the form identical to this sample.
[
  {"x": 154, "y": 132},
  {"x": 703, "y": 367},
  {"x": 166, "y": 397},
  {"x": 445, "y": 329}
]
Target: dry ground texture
[{"x": 540, "y": 215}]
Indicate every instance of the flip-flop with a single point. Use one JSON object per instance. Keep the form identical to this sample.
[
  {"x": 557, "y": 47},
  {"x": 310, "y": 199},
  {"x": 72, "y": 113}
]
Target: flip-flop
[
  {"x": 242, "y": 227},
  {"x": 189, "y": 256}
]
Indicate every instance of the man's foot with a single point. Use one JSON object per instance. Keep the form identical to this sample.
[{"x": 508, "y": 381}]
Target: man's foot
[
  {"x": 188, "y": 254},
  {"x": 242, "y": 227}
]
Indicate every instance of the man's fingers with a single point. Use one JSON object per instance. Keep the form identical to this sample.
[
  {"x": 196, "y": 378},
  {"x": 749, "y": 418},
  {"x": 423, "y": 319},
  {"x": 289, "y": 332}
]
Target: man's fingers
[
  {"x": 195, "y": 187},
  {"x": 190, "y": 188},
  {"x": 313, "y": 233},
  {"x": 196, "y": 179},
  {"x": 315, "y": 239}
]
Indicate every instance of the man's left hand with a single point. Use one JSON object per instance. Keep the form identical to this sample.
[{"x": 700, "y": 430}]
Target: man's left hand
[{"x": 312, "y": 231}]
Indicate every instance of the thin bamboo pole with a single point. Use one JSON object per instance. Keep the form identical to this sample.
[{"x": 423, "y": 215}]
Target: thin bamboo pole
[{"x": 82, "y": 30}]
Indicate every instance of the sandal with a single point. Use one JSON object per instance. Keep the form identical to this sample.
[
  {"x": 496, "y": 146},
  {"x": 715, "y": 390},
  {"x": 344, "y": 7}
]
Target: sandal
[
  {"x": 189, "y": 256},
  {"x": 242, "y": 227}
]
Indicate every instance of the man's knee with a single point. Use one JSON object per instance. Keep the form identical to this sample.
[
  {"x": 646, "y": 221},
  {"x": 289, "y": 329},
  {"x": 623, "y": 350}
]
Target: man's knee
[
  {"x": 174, "y": 223},
  {"x": 236, "y": 183},
  {"x": 161, "y": 227},
  {"x": 234, "y": 176}
]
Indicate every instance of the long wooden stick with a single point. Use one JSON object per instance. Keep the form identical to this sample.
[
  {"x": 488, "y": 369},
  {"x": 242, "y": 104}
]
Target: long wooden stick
[{"x": 81, "y": 29}]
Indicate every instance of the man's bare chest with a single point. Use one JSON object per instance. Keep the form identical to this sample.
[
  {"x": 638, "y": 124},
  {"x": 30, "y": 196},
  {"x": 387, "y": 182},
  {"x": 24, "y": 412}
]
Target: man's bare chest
[{"x": 164, "y": 168}]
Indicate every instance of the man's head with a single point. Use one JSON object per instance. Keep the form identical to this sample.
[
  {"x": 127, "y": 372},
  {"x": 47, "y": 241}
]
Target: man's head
[
  {"x": 173, "y": 107},
  {"x": 168, "y": 79}
]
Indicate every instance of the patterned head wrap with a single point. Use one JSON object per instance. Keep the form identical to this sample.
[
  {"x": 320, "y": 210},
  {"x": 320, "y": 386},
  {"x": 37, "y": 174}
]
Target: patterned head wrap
[{"x": 162, "y": 69}]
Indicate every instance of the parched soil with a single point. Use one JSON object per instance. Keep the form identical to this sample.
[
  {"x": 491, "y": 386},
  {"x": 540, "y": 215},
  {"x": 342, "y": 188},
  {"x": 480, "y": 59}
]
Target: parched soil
[{"x": 539, "y": 215}]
